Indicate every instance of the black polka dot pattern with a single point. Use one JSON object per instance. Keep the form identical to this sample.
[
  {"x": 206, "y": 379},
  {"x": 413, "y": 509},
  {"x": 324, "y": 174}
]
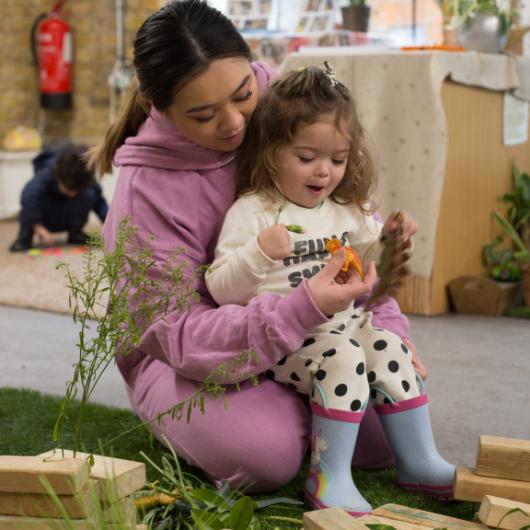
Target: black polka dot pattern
[
  {"x": 404, "y": 348},
  {"x": 355, "y": 405},
  {"x": 373, "y": 393},
  {"x": 355, "y": 343},
  {"x": 308, "y": 363},
  {"x": 335, "y": 332},
  {"x": 393, "y": 366},
  {"x": 320, "y": 374},
  {"x": 405, "y": 385},
  {"x": 308, "y": 342},
  {"x": 269, "y": 374},
  {"x": 295, "y": 376},
  {"x": 290, "y": 385},
  {"x": 371, "y": 376},
  {"x": 360, "y": 369},
  {"x": 342, "y": 327},
  {"x": 340, "y": 390},
  {"x": 329, "y": 353},
  {"x": 282, "y": 361},
  {"x": 380, "y": 345}
]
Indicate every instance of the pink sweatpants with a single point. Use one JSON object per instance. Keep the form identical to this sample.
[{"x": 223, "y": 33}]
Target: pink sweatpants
[{"x": 258, "y": 442}]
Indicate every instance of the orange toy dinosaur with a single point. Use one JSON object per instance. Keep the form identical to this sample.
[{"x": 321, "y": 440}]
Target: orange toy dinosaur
[{"x": 352, "y": 258}]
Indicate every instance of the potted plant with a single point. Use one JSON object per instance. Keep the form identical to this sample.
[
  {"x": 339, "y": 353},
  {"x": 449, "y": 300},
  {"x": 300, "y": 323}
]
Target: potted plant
[
  {"x": 513, "y": 264},
  {"x": 481, "y": 25},
  {"x": 356, "y": 16}
]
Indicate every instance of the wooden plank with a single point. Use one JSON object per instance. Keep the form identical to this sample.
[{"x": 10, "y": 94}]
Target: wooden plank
[
  {"x": 117, "y": 477},
  {"x": 20, "y": 474},
  {"x": 503, "y": 458},
  {"x": 424, "y": 518},
  {"x": 331, "y": 519},
  {"x": 398, "y": 525},
  {"x": 77, "y": 506},
  {"x": 493, "y": 510},
  {"x": 470, "y": 487},
  {"x": 11, "y": 522}
]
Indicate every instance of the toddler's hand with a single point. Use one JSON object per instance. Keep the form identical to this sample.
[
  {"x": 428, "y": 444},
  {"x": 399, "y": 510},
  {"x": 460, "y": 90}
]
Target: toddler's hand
[
  {"x": 275, "y": 242},
  {"x": 44, "y": 235},
  {"x": 334, "y": 290},
  {"x": 402, "y": 220}
]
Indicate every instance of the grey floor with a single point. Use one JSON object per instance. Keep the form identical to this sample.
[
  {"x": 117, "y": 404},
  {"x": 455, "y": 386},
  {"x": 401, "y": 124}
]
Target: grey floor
[{"x": 479, "y": 371}]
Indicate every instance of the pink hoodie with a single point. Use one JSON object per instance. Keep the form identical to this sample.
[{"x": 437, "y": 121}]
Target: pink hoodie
[{"x": 179, "y": 192}]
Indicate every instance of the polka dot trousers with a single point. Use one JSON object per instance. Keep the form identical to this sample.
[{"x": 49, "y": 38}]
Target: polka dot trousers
[{"x": 341, "y": 369}]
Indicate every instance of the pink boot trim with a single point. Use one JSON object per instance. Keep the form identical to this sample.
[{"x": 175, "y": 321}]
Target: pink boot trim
[
  {"x": 335, "y": 414},
  {"x": 440, "y": 492},
  {"x": 319, "y": 505},
  {"x": 402, "y": 406}
]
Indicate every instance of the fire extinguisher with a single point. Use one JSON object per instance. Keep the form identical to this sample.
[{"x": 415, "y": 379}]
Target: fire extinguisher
[{"x": 51, "y": 45}]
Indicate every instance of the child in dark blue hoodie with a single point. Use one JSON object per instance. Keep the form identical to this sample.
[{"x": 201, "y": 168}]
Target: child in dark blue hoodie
[{"x": 59, "y": 197}]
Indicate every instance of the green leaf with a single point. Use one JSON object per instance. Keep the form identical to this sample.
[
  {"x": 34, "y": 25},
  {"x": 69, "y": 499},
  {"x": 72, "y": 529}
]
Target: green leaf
[
  {"x": 205, "y": 520},
  {"x": 278, "y": 500},
  {"x": 210, "y": 498},
  {"x": 241, "y": 513},
  {"x": 380, "y": 527}
]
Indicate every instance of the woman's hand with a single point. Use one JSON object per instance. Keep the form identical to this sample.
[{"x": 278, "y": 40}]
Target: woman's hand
[
  {"x": 334, "y": 290},
  {"x": 275, "y": 242},
  {"x": 416, "y": 361},
  {"x": 402, "y": 220}
]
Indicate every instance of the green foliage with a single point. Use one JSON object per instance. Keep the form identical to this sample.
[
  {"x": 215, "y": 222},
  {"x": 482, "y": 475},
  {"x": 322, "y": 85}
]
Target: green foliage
[
  {"x": 462, "y": 12},
  {"x": 357, "y": 2},
  {"x": 125, "y": 286},
  {"x": 180, "y": 500},
  {"x": 506, "y": 263}
]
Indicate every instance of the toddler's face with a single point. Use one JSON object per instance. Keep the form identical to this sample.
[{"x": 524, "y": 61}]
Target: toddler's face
[
  {"x": 212, "y": 110},
  {"x": 312, "y": 166}
]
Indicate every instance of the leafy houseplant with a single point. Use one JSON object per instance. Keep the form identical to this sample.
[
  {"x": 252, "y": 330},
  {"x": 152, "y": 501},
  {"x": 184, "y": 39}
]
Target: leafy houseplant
[
  {"x": 356, "y": 16},
  {"x": 516, "y": 225},
  {"x": 481, "y": 24}
]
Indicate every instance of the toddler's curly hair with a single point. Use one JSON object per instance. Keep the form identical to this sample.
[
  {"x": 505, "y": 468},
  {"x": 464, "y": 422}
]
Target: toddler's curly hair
[{"x": 296, "y": 100}]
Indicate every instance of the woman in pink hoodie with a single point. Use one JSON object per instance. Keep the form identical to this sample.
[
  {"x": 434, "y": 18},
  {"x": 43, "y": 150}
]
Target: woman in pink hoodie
[{"x": 175, "y": 142}]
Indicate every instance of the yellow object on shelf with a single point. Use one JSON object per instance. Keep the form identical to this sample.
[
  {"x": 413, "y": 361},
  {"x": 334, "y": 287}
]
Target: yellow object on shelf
[{"x": 22, "y": 139}]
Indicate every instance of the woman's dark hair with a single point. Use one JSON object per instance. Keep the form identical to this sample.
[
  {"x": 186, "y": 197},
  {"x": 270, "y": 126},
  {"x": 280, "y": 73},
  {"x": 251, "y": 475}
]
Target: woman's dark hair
[
  {"x": 296, "y": 100},
  {"x": 172, "y": 46},
  {"x": 70, "y": 168}
]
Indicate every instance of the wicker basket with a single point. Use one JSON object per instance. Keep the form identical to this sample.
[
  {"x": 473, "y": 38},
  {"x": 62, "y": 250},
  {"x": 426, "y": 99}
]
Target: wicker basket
[{"x": 481, "y": 295}]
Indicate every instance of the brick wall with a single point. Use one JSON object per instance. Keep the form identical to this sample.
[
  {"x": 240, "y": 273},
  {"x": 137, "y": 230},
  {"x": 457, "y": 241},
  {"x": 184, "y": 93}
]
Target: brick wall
[{"x": 94, "y": 38}]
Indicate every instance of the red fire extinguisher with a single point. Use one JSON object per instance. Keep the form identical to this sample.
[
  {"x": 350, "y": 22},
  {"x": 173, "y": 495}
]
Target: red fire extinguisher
[{"x": 51, "y": 42}]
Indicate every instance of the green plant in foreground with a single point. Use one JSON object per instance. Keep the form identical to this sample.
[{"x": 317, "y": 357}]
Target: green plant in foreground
[
  {"x": 120, "y": 293},
  {"x": 182, "y": 501}
]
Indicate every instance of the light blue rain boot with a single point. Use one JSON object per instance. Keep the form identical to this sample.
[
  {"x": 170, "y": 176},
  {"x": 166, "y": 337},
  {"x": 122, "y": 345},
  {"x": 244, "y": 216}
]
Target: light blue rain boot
[
  {"x": 420, "y": 468},
  {"x": 329, "y": 482}
]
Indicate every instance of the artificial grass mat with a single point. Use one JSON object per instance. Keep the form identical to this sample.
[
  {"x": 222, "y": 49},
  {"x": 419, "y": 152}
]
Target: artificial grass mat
[{"x": 27, "y": 418}]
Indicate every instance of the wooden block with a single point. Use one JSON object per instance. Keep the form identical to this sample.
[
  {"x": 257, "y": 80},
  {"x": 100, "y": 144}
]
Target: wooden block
[
  {"x": 503, "y": 458},
  {"x": 493, "y": 510},
  {"x": 398, "y": 525},
  {"x": 331, "y": 519},
  {"x": 20, "y": 474},
  {"x": 117, "y": 477},
  {"x": 10, "y": 522},
  {"x": 122, "y": 510},
  {"x": 77, "y": 506},
  {"x": 470, "y": 487},
  {"x": 422, "y": 518}
]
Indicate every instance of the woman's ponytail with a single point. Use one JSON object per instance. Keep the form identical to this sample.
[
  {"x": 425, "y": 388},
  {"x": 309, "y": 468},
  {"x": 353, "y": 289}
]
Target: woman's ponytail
[{"x": 133, "y": 112}]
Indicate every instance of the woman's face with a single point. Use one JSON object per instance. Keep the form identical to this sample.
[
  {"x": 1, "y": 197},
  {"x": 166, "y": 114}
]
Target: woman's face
[{"x": 212, "y": 110}]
